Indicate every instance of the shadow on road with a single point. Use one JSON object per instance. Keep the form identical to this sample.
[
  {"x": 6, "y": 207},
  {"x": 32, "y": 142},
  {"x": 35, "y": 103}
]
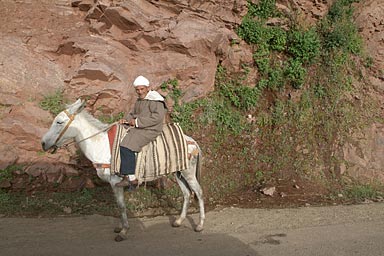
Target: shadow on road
[{"x": 93, "y": 235}]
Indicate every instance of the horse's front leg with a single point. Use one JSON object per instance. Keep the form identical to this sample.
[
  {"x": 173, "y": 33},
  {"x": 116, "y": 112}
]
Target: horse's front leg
[{"x": 124, "y": 226}]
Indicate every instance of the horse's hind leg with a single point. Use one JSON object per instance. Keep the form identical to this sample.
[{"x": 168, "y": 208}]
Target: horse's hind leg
[
  {"x": 123, "y": 230},
  {"x": 196, "y": 188},
  {"x": 186, "y": 194}
]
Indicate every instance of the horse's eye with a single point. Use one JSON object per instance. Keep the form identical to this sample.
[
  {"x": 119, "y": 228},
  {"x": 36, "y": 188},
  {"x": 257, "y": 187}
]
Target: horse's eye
[{"x": 59, "y": 122}]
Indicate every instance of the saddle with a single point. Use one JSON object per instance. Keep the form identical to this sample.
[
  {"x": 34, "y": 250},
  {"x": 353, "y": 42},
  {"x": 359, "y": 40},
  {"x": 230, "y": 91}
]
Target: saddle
[{"x": 165, "y": 155}]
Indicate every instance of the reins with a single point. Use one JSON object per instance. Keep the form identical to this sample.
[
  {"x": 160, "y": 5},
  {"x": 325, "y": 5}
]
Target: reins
[
  {"x": 103, "y": 130},
  {"x": 71, "y": 118}
]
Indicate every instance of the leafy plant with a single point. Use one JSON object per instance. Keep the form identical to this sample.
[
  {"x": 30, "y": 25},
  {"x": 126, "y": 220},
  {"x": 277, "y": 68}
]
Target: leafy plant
[
  {"x": 263, "y": 65},
  {"x": 339, "y": 9},
  {"x": 296, "y": 73},
  {"x": 109, "y": 119},
  {"x": 252, "y": 31},
  {"x": 361, "y": 192},
  {"x": 4, "y": 198},
  {"x": 338, "y": 29},
  {"x": 264, "y": 9},
  {"x": 184, "y": 114},
  {"x": 277, "y": 38},
  {"x": 54, "y": 103},
  {"x": 172, "y": 86},
  {"x": 241, "y": 97},
  {"x": 304, "y": 45},
  {"x": 181, "y": 113},
  {"x": 6, "y": 174},
  {"x": 368, "y": 62}
]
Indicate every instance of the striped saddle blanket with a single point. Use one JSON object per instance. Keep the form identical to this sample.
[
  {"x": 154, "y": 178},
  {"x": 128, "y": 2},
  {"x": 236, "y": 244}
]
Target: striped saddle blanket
[{"x": 167, "y": 154}]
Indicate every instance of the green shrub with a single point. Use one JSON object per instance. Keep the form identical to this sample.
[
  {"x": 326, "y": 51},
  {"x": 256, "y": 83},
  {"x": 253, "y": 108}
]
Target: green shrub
[
  {"x": 54, "y": 103},
  {"x": 241, "y": 97},
  {"x": 6, "y": 174},
  {"x": 264, "y": 9},
  {"x": 172, "y": 87},
  {"x": 223, "y": 108},
  {"x": 5, "y": 200},
  {"x": 344, "y": 36},
  {"x": 319, "y": 90},
  {"x": 267, "y": 38},
  {"x": 263, "y": 65},
  {"x": 339, "y": 9},
  {"x": 183, "y": 114},
  {"x": 109, "y": 119},
  {"x": 368, "y": 62},
  {"x": 277, "y": 38},
  {"x": 304, "y": 45},
  {"x": 361, "y": 192},
  {"x": 276, "y": 78},
  {"x": 338, "y": 29},
  {"x": 296, "y": 73},
  {"x": 251, "y": 31}
]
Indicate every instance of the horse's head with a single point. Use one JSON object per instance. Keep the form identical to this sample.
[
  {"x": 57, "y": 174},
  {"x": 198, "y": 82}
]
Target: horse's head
[{"x": 60, "y": 130}]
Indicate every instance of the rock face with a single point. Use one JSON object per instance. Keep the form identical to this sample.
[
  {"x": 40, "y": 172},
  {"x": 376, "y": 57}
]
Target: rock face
[
  {"x": 95, "y": 49},
  {"x": 158, "y": 39},
  {"x": 30, "y": 34},
  {"x": 364, "y": 153},
  {"x": 370, "y": 21}
]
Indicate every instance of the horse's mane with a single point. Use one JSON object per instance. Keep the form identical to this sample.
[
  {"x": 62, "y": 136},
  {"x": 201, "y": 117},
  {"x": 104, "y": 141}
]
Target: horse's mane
[{"x": 93, "y": 121}]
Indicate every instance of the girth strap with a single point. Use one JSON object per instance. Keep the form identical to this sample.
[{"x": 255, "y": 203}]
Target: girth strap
[{"x": 99, "y": 165}]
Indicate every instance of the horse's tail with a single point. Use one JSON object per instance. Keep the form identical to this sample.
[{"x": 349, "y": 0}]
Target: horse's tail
[{"x": 199, "y": 164}]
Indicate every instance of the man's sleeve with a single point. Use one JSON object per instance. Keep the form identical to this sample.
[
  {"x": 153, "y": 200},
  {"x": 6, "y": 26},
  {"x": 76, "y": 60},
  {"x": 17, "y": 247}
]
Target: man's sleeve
[
  {"x": 152, "y": 116},
  {"x": 132, "y": 114}
]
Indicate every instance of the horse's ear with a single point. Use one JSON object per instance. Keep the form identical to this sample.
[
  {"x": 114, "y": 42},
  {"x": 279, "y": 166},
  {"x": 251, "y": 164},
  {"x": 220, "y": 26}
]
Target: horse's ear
[
  {"x": 82, "y": 106},
  {"x": 77, "y": 107}
]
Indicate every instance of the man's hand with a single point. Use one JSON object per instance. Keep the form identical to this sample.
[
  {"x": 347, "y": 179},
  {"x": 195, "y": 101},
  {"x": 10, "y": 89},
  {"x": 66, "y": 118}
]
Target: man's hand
[
  {"x": 130, "y": 122},
  {"x": 122, "y": 121}
]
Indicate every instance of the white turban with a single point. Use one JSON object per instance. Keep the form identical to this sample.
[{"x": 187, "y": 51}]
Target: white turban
[{"x": 140, "y": 80}]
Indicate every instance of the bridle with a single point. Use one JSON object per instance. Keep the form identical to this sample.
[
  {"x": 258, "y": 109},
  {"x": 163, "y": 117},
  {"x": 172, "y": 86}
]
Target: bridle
[{"x": 71, "y": 118}]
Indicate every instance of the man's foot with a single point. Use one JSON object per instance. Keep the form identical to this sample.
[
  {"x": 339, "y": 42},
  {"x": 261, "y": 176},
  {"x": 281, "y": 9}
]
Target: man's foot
[
  {"x": 124, "y": 182},
  {"x": 133, "y": 184}
]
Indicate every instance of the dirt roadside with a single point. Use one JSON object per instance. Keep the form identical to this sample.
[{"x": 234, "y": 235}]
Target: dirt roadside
[{"x": 332, "y": 230}]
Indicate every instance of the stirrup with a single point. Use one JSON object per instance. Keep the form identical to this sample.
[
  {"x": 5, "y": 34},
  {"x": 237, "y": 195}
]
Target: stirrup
[
  {"x": 124, "y": 182},
  {"x": 133, "y": 185}
]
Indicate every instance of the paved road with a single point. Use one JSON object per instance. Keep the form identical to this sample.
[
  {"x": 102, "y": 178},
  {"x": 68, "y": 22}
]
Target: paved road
[{"x": 335, "y": 230}]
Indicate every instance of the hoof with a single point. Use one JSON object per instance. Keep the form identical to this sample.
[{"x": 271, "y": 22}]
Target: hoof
[
  {"x": 117, "y": 230},
  {"x": 199, "y": 228},
  {"x": 120, "y": 238},
  {"x": 175, "y": 224}
]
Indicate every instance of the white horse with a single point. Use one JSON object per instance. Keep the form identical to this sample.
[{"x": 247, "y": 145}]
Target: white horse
[{"x": 91, "y": 136}]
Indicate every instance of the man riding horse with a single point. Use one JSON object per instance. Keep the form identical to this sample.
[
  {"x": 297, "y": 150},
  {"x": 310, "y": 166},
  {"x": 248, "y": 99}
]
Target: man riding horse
[
  {"x": 146, "y": 123},
  {"x": 74, "y": 123}
]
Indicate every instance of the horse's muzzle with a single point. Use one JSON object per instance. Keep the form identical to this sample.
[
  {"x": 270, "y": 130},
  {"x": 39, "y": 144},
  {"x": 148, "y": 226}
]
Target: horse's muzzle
[{"x": 51, "y": 150}]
